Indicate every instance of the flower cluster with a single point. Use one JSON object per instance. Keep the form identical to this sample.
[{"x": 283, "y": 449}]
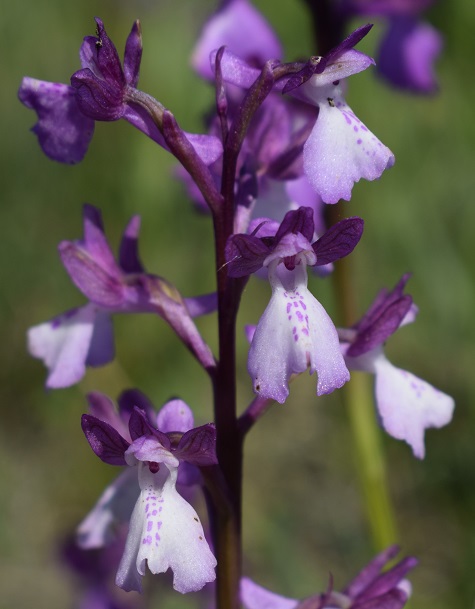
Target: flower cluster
[{"x": 283, "y": 147}]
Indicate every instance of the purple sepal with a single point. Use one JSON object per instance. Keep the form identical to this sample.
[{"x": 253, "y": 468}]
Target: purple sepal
[
  {"x": 63, "y": 131},
  {"x": 133, "y": 55},
  {"x": 97, "y": 99},
  {"x": 338, "y": 241},
  {"x": 198, "y": 446},
  {"x": 91, "y": 278},
  {"x": 104, "y": 440},
  {"x": 129, "y": 259},
  {"x": 297, "y": 221},
  {"x": 317, "y": 65},
  {"x": 382, "y": 319},
  {"x": 407, "y": 55},
  {"x": 349, "y": 43},
  {"x": 140, "y": 426},
  {"x": 245, "y": 255}
]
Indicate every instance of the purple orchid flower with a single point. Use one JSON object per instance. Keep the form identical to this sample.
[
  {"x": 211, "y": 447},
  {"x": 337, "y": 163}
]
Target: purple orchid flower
[
  {"x": 340, "y": 149},
  {"x": 165, "y": 531},
  {"x": 242, "y": 28},
  {"x": 410, "y": 46},
  {"x": 83, "y": 336},
  {"x": 407, "y": 405},
  {"x": 371, "y": 589},
  {"x": 102, "y": 90},
  {"x": 295, "y": 332}
]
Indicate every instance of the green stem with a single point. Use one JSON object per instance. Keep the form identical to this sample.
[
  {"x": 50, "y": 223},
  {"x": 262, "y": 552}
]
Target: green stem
[
  {"x": 370, "y": 460},
  {"x": 359, "y": 402}
]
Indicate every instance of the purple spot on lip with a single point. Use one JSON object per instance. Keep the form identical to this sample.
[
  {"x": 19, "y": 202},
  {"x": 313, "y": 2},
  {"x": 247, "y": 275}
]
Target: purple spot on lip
[
  {"x": 299, "y": 316},
  {"x": 159, "y": 525},
  {"x": 303, "y": 305},
  {"x": 347, "y": 118},
  {"x": 305, "y": 331},
  {"x": 296, "y": 337},
  {"x": 355, "y": 128},
  {"x": 149, "y": 526},
  {"x": 359, "y": 141},
  {"x": 154, "y": 513},
  {"x": 289, "y": 306}
]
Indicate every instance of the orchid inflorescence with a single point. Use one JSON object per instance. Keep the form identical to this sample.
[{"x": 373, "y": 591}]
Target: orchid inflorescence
[{"x": 282, "y": 149}]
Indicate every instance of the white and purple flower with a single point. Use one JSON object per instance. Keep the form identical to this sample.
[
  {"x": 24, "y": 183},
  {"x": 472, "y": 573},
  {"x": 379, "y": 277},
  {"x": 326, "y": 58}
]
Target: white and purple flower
[
  {"x": 294, "y": 332},
  {"x": 165, "y": 531},
  {"x": 406, "y": 404},
  {"x": 84, "y": 336}
]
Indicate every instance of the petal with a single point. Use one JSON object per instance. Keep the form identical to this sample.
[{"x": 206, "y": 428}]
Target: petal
[
  {"x": 149, "y": 448},
  {"x": 294, "y": 333},
  {"x": 408, "y": 405},
  {"x": 175, "y": 415},
  {"x": 257, "y": 597},
  {"x": 63, "y": 131},
  {"x": 63, "y": 344},
  {"x": 114, "y": 506},
  {"x": 341, "y": 150},
  {"x": 240, "y": 27},
  {"x": 165, "y": 532}
]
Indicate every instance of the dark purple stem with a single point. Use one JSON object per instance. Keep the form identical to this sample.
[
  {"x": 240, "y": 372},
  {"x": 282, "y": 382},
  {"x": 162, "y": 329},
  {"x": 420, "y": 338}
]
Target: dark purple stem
[{"x": 328, "y": 24}]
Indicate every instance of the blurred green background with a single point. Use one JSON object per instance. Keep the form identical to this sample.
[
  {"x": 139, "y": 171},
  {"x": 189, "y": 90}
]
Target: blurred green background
[{"x": 303, "y": 510}]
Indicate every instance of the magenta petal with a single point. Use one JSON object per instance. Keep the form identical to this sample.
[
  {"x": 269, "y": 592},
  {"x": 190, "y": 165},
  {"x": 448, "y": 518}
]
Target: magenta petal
[
  {"x": 240, "y": 27},
  {"x": 63, "y": 131}
]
